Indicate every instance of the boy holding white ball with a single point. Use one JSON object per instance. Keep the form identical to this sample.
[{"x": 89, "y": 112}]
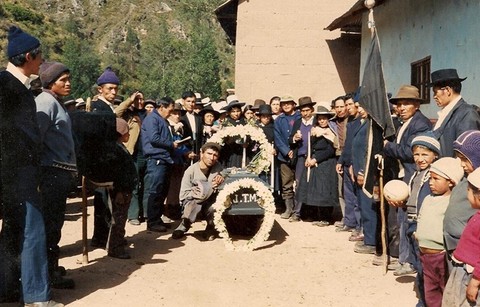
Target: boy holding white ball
[{"x": 445, "y": 173}]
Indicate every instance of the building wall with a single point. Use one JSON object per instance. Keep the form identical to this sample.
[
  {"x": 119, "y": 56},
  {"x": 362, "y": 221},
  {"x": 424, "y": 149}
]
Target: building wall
[
  {"x": 282, "y": 48},
  {"x": 410, "y": 30}
]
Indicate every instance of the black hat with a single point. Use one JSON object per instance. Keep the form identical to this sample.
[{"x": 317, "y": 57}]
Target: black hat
[
  {"x": 305, "y": 101},
  {"x": 69, "y": 102},
  {"x": 209, "y": 109},
  {"x": 232, "y": 101},
  {"x": 257, "y": 103},
  {"x": 150, "y": 101},
  {"x": 444, "y": 75},
  {"x": 264, "y": 109}
]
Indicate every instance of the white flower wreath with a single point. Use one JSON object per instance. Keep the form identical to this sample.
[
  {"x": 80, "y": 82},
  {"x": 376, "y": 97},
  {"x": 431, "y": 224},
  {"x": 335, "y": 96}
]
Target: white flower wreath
[
  {"x": 265, "y": 201},
  {"x": 262, "y": 161}
]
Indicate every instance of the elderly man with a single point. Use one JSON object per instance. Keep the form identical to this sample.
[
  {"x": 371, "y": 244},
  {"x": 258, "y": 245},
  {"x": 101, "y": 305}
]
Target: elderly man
[
  {"x": 414, "y": 122},
  {"x": 197, "y": 191},
  {"x": 455, "y": 116},
  {"x": 408, "y": 103},
  {"x": 22, "y": 238}
]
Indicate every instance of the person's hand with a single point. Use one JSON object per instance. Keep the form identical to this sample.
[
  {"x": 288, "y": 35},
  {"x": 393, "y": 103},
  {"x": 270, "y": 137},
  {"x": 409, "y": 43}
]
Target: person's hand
[
  {"x": 175, "y": 145},
  {"x": 191, "y": 155},
  {"x": 134, "y": 96},
  {"x": 339, "y": 168},
  {"x": 396, "y": 204},
  {"x": 350, "y": 171},
  {"x": 360, "y": 179},
  {"x": 472, "y": 289},
  {"x": 297, "y": 136},
  {"x": 309, "y": 162},
  {"x": 290, "y": 154},
  {"x": 217, "y": 180},
  {"x": 385, "y": 142}
]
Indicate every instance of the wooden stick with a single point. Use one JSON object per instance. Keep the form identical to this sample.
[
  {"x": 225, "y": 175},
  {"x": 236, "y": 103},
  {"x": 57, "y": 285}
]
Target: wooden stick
[
  {"x": 84, "y": 221},
  {"x": 272, "y": 172},
  {"x": 383, "y": 218},
  {"x": 308, "y": 156}
]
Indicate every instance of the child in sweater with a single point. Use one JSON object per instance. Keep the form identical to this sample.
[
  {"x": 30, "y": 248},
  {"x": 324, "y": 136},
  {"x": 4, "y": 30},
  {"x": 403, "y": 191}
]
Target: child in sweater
[
  {"x": 464, "y": 281},
  {"x": 444, "y": 175}
]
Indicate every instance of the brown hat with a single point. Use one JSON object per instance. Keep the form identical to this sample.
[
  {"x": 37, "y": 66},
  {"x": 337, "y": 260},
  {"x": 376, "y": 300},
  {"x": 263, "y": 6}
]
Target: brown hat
[
  {"x": 178, "y": 107},
  {"x": 257, "y": 103},
  {"x": 407, "y": 92},
  {"x": 305, "y": 101},
  {"x": 122, "y": 126}
]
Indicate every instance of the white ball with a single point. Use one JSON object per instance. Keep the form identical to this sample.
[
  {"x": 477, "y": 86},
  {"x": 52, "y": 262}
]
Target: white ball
[{"x": 396, "y": 190}]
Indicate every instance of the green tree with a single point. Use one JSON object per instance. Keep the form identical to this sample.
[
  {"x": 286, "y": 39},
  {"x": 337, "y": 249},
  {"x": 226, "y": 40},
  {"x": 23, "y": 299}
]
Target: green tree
[{"x": 84, "y": 63}]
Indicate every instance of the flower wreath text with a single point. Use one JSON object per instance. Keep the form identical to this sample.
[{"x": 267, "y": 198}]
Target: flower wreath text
[{"x": 265, "y": 201}]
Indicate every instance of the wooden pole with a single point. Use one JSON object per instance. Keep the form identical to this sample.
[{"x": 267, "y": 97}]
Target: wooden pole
[
  {"x": 244, "y": 157},
  {"x": 272, "y": 172},
  {"x": 84, "y": 222},
  {"x": 383, "y": 217},
  {"x": 309, "y": 149}
]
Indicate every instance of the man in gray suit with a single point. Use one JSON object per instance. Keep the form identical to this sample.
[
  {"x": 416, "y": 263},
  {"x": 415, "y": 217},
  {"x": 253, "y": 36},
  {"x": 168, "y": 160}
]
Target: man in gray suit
[{"x": 456, "y": 115}]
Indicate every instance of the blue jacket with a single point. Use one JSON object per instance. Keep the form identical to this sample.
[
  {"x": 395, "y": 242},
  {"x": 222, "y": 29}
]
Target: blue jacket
[
  {"x": 346, "y": 156},
  {"x": 359, "y": 147},
  {"x": 157, "y": 140},
  {"x": 463, "y": 117},
  {"x": 282, "y": 128},
  {"x": 403, "y": 151}
]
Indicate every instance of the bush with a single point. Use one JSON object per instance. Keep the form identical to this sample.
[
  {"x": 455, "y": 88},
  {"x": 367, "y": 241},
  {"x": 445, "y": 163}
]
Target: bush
[{"x": 22, "y": 14}]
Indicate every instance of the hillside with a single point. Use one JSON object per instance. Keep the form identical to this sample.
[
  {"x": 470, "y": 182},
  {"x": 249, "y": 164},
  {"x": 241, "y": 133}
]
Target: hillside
[{"x": 161, "y": 47}]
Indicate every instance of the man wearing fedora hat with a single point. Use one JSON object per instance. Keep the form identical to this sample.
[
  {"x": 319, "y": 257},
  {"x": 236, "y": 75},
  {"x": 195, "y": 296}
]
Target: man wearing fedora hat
[
  {"x": 282, "y": 128},
  {"x": 298, "y": 141},
  {"x": 408, "y": 103},
  {"x": 399, "y": 151},
  {"x": 455, "y": 116}
]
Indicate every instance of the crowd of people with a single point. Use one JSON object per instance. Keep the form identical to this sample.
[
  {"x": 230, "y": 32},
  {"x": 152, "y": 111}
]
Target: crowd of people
[{"x": 162, "y": 166}]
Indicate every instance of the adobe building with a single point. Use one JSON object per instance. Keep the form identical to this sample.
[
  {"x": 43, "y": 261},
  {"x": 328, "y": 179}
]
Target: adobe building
[{"x": 282, "y": 48}]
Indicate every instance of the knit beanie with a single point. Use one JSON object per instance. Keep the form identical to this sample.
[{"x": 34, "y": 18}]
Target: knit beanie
[
  {"x": 474, "y": 178},
  {"x": 108, "y": 76},
  {"x": 428, "y": 140},
  {"x": 468, "y": 144},
  {"x": 122, "y": 126},
  {"x": 50, "y": 72},
  {"x": 449, "y": 168},
  {"x": 20, "y": 42}
]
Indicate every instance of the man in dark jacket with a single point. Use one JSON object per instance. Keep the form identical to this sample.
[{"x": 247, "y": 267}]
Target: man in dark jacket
[
  {"x": 22, "y": 240},
  {"x": 158, "y": 146},
  {"x": 456, "y": 115}
]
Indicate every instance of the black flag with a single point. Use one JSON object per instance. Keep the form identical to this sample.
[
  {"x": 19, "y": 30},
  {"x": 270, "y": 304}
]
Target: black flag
[{"x": 373, "y": 94}]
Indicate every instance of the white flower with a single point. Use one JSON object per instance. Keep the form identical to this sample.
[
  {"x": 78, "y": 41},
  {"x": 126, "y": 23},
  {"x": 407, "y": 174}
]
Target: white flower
[{"x": 265, "y": 201}]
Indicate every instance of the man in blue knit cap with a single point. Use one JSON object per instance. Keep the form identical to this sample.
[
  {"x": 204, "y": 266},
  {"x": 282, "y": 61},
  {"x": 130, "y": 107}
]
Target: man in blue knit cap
[
  {"x": 23, "y": 229},
  {"x": 108, "y": 83}
]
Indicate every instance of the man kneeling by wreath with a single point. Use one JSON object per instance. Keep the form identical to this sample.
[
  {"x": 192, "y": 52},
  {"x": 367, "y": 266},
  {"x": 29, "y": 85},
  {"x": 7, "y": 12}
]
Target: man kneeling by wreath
[{"x": 198, "y": 191}]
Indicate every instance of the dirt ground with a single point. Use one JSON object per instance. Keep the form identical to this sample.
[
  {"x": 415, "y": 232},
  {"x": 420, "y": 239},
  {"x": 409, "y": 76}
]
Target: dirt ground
[{"x": 300, "y": 265}]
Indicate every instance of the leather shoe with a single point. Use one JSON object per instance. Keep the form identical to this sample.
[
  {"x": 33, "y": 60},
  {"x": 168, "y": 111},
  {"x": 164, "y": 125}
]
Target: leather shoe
[
  {"x": 345, "y": 228},
  {"x": 59, "y": 282},
  {"x": 365, "y": 249},
  {"x": 134, "y": 222},
  {"x": 157, "y": 228},
  {"x": 123, "y": 255},
  {"x": 98, "y": 243},
  {"x": 178, "y": 234},
  {"x": 321, "y": 223},
  {"x": 356, "y": 237},
  {"x": 44, "y": 304}
]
